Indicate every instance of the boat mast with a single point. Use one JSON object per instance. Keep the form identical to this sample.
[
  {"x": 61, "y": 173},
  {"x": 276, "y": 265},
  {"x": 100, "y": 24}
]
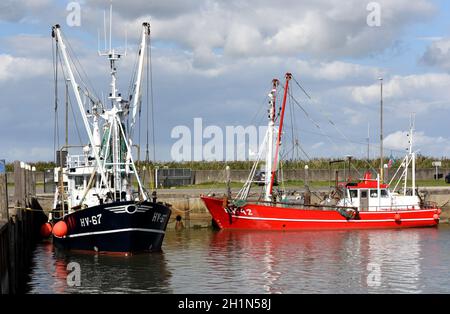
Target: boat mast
[
  {"x": 271, "y": 131},
  {"x": 412, "y": 154},
  {"x": 67, "y": 116},
  {"x": 368, "y": 142},
  {"x": 119, "y": 108},
  {"x": 381, "y": 131},
  {"x": 119, "y": 112},
  {"x": 136, "y": 97},
  {"x": 56, "y": 33},
  {"x": 288, "y": 76}
]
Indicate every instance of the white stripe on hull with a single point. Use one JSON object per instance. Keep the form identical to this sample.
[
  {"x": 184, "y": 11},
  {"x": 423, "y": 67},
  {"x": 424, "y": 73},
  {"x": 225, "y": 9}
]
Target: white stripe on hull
[
  {"x": 377, "y": 212},
  {"x": 114, "y": 231},
  {"x": 329, "y": 220}
]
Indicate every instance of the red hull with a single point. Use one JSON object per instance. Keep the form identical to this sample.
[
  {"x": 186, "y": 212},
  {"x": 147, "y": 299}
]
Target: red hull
[{"x": 269, "y": 217}]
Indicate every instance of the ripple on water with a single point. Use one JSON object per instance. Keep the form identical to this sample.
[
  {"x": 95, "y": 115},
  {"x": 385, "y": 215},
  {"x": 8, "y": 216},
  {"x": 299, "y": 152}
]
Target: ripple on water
[{"x": 206, "y": 261}]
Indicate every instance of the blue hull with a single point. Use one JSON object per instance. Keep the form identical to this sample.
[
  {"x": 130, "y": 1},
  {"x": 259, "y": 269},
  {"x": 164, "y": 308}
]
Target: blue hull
[{"x": 116, "y": 227}]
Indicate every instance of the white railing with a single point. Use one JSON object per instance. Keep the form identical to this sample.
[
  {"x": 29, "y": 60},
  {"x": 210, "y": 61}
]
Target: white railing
[{"x": 75, "y": 161}]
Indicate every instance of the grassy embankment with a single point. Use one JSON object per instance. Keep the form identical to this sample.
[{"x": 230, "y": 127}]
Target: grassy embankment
[
  {"x": 422, "y": 162},
  {"x": 300, "y": 183}
]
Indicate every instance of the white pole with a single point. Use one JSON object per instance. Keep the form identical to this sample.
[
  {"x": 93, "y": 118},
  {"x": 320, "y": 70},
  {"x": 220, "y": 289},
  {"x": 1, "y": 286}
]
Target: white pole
[
  {"x": 132, "y": 161},
  {"x": 413, "y": 174},
  {"x": 269, "y": 153},
  {"x": 104, "y": 26},
  {"x": 110, "y": 27},
  {"x": 137, "y": 84},
  {"x": 413, "y": 156},
  {"x": 381, "y": 130},
  {"x": 79, "y": 102},
  {"x": 407, "y": 161},
  {"x": 378, "y": 191}
]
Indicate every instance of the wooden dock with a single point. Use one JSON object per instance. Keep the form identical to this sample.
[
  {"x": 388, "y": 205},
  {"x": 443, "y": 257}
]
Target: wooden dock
[{"x": 20, "y": 222}]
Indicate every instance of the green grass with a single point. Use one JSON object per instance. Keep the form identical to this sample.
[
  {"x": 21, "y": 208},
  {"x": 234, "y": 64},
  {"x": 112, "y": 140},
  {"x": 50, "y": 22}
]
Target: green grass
[
  {"x": 426, "y": 183},
  {"x": 300, "y": 183},
  {"x": 288, "y": 184},
  {"x": 422, "y": 162},
  {"x": 37, "y": 184}
]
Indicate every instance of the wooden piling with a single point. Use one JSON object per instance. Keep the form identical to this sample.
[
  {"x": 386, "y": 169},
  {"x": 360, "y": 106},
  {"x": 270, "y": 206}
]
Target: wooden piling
[
  {"x": 187, "y": 216},
  {"x": 4, "y": 214},
  {"x": 20, "y": 230}
]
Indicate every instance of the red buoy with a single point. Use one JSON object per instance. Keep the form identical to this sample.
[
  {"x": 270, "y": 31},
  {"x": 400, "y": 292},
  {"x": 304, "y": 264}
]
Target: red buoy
[
  {"x": 46, "y": 230},
  {"x": 397, "y": 217},
  {"x": 60, "y": 229},
  {"x": 436, "y": 217}
]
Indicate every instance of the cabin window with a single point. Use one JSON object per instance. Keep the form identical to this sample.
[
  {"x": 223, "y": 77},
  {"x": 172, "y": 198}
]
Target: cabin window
[
  {"x": 383, "y": 193},
  {"x": 79, "y": 181},
  {"x": 353, "y": 193},
  {"x": 363, "y": 193}
]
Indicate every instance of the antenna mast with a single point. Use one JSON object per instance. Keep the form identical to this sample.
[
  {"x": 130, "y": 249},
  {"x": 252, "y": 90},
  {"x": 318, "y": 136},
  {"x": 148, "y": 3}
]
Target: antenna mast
[
  {"x": 381, "y": 131},
  {"x": 413, "y": 154},
  {"x": 280, "y": 131},
  {"x": 270, "y": 134}
]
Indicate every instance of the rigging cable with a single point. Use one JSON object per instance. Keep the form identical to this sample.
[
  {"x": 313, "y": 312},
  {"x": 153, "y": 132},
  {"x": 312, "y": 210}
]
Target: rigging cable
[
  {"x": 76, "y": 63},
  {"x": 70, "y": 102},
  {"x": 292, "y": 126},
  {"x": 329, "y": 120}
]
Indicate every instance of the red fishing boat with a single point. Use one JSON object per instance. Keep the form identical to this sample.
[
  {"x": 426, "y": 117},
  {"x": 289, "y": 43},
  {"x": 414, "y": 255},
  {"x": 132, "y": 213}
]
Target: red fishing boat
[{"x": 366, "y": 204}]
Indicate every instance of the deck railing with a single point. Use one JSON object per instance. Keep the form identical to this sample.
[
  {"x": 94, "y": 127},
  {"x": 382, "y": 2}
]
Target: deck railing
[{"x": 299, "y": 205}]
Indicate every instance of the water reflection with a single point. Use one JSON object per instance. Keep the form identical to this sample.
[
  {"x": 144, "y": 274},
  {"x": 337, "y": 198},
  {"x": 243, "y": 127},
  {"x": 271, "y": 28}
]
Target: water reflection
[
  {"x": 398, "y": 255},
  {"x": 142, "y": 273},
  {"x": 205, "y": 261},
  {"x": 322, "y": 261}
]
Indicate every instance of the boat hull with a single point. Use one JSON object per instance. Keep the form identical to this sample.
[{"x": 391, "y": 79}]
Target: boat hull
[
  {"x": 281, "y": 217},
  {"x": 122, "y": 227}
]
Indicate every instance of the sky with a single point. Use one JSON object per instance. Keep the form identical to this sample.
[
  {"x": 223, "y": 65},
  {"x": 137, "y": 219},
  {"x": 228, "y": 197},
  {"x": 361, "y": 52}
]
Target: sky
[{"x": 215, "y": 60}]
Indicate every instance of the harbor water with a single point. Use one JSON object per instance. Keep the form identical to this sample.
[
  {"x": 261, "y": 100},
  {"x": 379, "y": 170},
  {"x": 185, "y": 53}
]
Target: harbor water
[{"x": 231, "y": 262}]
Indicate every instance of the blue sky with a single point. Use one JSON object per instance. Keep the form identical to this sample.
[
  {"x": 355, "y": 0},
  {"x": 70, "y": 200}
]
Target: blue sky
[{"x": 216, "y": 59}]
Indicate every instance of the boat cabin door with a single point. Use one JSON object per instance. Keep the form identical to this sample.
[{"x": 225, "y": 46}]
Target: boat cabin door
[{"x": 363, "y": 200}]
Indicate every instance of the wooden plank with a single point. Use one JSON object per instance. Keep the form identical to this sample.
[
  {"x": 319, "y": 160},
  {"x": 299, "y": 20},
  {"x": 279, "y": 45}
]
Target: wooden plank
[
  {"x": 18, "y": 189},
  {"x": 4, "y": 259},
  {"x": 4, "y": 216},
  {"x": 24, "y": 180},
  {"x": 3, "y": 198}
]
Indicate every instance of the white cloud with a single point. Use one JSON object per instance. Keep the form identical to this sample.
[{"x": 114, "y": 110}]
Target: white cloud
[
  {"x": 427, "y": 145},
  {"x": 20, "y": 11},
  {"x": 217, "y": 58},
  {"x": 17, "y": 68},
  {"x": 415, "y": 92},
  {"x": 325, "y": 28},
  {"x": 438, "y": 54},
  {"x": 317, "y": 145},
  {"x": 337, "y": 70}
]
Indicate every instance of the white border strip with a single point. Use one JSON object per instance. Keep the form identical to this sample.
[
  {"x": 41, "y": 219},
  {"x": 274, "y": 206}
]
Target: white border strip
[{"x": 114, "y": 231}]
